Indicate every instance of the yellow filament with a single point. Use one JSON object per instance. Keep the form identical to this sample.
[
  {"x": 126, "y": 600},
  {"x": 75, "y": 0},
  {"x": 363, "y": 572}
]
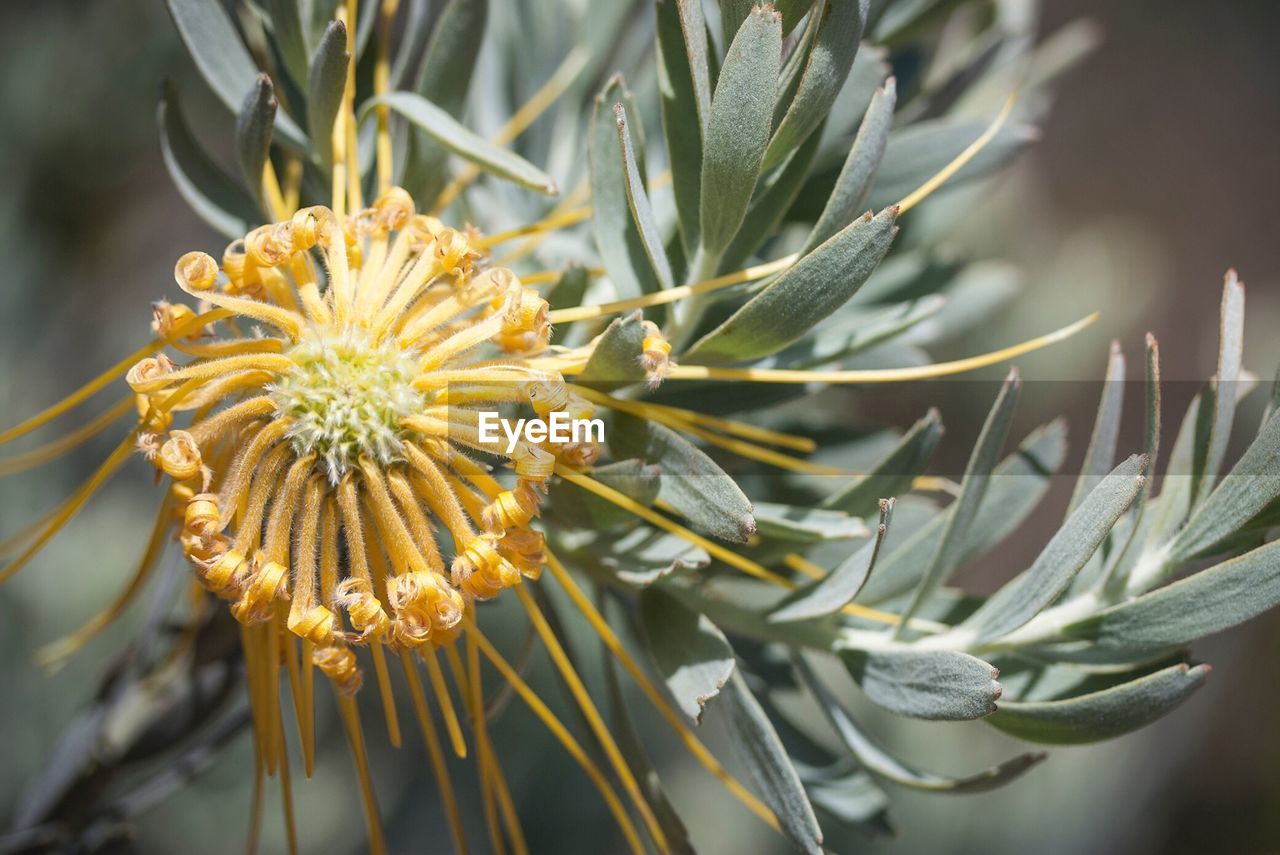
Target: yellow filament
[
  {"x": 691, "y": 742},
  {"x": 286, "y": 794},
  {"x": 435, "y": 753},
  {"x": 108, "y": 468},
  {"x": 219, "y": 367},
  {"x": 558, "y": 730},
  {"x": 54, "y": 655},
  {"x": 491, "y": 782},
  {"x": 381, "y": 83},
  {"x": 880, "y": 375},
  {"x": 102, "y": 380},
  {"x": 561, "y": 79},
  {"x": 510, "y": 819},
  {"x": 355, "y": 737},
  {"x": 671, "y": 295},
  {"x": 58, "y": 447},
  {"x": 943, "y": 175},
  {"x": 588, "y": 707},
  {"x": 450, "y": 715}
]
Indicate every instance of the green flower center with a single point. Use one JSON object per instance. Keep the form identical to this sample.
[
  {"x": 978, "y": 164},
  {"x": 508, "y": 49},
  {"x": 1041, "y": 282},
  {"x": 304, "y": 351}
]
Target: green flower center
[{"x": 347, "y": 398}]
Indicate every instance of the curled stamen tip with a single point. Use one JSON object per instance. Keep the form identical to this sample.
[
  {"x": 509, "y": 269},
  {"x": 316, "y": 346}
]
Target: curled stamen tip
[{"x": 196, "y": 271}]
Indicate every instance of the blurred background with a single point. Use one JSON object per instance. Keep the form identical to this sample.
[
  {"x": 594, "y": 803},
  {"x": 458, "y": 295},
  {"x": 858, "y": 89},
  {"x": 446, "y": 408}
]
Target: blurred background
[{"x": 1156, "y": 172}]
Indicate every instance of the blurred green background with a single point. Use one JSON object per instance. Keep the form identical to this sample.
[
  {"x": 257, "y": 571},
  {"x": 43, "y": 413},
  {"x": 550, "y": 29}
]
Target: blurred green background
[{"x": 1156, "y": 172}]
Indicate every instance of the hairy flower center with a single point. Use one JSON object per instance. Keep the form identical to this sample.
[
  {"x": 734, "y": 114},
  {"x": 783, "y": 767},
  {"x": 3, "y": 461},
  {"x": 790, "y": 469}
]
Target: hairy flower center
[{"x": 346, "y": 399}]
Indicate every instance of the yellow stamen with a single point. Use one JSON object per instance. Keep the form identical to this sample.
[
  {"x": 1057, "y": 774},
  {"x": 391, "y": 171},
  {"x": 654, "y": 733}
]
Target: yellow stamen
[
  {"x": 558, "y": 730},
  {"x": 58, "y": 447},
  {"x": 355, "y": 737},
  {"x": 881, "y": 375},
  {"x": 943, "y": 175},
  {"x": 435, "y": 754}
]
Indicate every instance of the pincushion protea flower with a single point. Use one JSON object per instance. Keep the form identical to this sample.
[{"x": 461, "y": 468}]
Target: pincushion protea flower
[{"x": 316, "y": 410}]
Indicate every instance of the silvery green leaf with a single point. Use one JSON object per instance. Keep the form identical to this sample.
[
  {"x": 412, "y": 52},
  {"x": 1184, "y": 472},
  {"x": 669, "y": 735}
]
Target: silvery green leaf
[
  {"x": 762, "y": 752},
  {"x": 834, "y": 591},
  {"x": 447, "y": 131},
  {"x": 638, "y": 201},
  {"x": 622, "y": 247},
  {"x": 855, "y": 801},
  {"x": 286, "y": 26},
  {"x": 858, "y": 329},
  {"x": 973, "y": 489},
  {"x": 567, "y": 291},
  {"x": 689, "y": 650},
  {"x": 839, "y": 24},
  {"x": 1201, "y": 604},
  {"x": 417, "y": 31},
  {"x": 1018, "y": 484},
  {"x": 939, "y": 685},
  {"x": 893, "y": 475},
  {"x": 328, "y": 80},
  {"x": 615, "y": 361},
  {"x": 919, "y": 151},
  {"x": 692, "y": 483},
  {"x": 1224, "y": 386},
  {"x": 738, "y": 126},
  {"x": 253, "y": 134},
  {"x": 1104, "y": 714},
  {"x": 769, "y": 206},
  {"x": 1251, "y": 485},
  {"x": 638, "y": 759},
  {"x": 684, "y": 91},
  {"x": 859, "y": 170},
  {"x": 799, "y": 524},
  {"x": 632, "y": 478},
  {"x": 1170, "y": 509},
  {"x": 443, "y": 78},
  {"x": 880, "y": 762},
  {"x": 210, "y": 192},
  {"x": 1106, "y": 428},
  {"x": 1068, "y": 550},
  {"x": 644, "y": 555},
  {"x": 801, "y": 296},
  {"x": 223, "y": 60}
]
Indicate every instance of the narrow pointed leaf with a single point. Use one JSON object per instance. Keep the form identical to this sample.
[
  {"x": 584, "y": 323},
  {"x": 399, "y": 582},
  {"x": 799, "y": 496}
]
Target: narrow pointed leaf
[
  {"x": 801, "y": 296},
  {"x": 893, "y": 475},
  {"x": 1225, "y": 387},
  {"x": 253, "y": 134},
  {"x": 738, "y": 127},
  {"x": 689, "y": 650},
  {"x": 223, "y": 60},
  {"x": 1210, "y": 601},
  {"x": 692, "y": 483},
  {"x": 880, "y": 762},
  {"x": 1104, "y": 714},
  {"x": 826, "y": 69},
  {"x": 444, "y": 78},
  {"x": 328, "y": 80},
  {"x": 799, "y": 524},
  {"x": 859, "y": 170},
  {"x": 1068, "y": 550},
  {"x": 837, "y": 589},
  {"x": 1106, "y": 429},
  {"x": 622, "y": 248},
  {"x": 938, "y": 685},
  {"x": 643, "y": 555},
  {"x": 1251, "y": 485},
  {"x": 766, "y": 758},
  {"x": 973, "y": 489},
  {"x": 684, "y": 92},
  {"x": 211, "y": 193},
  {"x": 447, "y": 131},
  {"x": 638, "y": 202},
  {"x": 770, "y": 205},
  {"x": 1018, "y": 485},
  {"x": 286, "y": 26}
]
